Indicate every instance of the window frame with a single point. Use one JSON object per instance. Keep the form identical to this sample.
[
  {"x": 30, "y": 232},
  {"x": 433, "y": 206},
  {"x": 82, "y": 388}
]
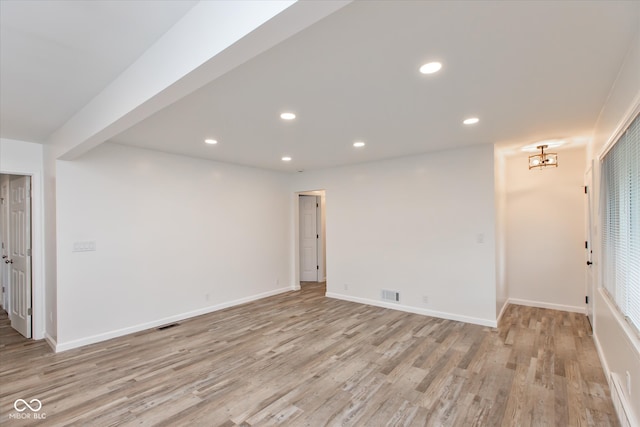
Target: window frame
[{"x": 632, "y": 330}]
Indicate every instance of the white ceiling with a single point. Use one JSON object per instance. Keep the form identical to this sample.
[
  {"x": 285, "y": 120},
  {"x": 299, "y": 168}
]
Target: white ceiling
[
  {"x": 55, "y": 56},
  {"x": 529, "y": 70}
]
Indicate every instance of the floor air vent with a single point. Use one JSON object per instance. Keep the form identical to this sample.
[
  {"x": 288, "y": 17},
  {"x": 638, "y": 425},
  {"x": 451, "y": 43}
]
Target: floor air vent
[
  {"x": 171, "y": 325},
  {"x": 392, "y": 296},
  {"x": 619, "y": 401}
]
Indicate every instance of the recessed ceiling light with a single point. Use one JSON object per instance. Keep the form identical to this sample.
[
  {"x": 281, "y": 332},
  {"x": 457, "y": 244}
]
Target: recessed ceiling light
[
  {"x": 471, "y": 121},
  {"x": 430, "y": 67},
  {"x": 286, "y": 159},
  {"x": 358, "y": 144},
  {"x": 210, "y": 141},
  {"x": 287, "y": 116}
]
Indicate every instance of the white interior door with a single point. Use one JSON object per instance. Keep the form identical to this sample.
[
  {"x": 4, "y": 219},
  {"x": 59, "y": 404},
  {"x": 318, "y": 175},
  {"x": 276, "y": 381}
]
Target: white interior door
[
  {"x": 19, "y": 260},
  {"x": 588, "y": 181},
  {"x": 308, "y": 239}
]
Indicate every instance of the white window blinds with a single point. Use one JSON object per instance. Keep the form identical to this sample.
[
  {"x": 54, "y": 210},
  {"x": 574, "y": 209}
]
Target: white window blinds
[{"x": 621, "y": 222}]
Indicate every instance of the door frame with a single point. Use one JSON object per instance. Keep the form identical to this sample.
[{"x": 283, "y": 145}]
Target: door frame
[
  {"x": 37, "y": 251},
  {"x": 589, "y": 238},
  {"x": 315, "y": 199},
  {"x": 4, "y": 232},
  {"x": 321, "y": 229},
  {"x": 20, "y": 255}
]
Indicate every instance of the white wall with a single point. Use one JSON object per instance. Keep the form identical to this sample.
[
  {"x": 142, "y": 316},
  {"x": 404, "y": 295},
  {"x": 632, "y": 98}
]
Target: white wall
[
  {"x": 413, "y": 225},
  {"x": 546, "y": 232},
  {"x": 618, "y": 345},
  {"x": 25, "y": 158},
  {"x": 50, "y": 261},
  {"x": 175, "y": 237},
  {"x": 19, "y": 156},
  {"x": 500, "y": 180}
]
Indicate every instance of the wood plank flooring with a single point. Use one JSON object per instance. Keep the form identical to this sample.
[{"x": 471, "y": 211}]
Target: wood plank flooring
[{"x": 300, "y": 359}]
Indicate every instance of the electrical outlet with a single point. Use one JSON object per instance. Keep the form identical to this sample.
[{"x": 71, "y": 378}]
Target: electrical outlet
[
  {"x": 346, "y": 287},
  {"x": 207, "y": 296},
  {"x": 425, "y": 299}
]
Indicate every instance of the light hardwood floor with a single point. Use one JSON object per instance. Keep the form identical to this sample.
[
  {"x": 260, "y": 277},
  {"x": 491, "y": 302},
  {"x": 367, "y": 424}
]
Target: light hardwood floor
[{"x": 300, "y": 359}]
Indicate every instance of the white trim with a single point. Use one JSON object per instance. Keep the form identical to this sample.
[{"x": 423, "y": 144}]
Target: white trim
[
  {"x": 38, "y": 307},
  {"x": 621, "y": 403},
  {"x": 295, "y": 244},
  {"x": 628, "y": 117},
  {"x": 171, "y": 319},
  {"x": 51, "y": 341},
  {"x": 415, "y": 310},
  {"x": 608, "y": 373},
  {"x": 295, "y": 233},
  {"x": 603, "y": 360},
  {"x": 549, "y": 305},
  {"x": 502, "y": 310}
]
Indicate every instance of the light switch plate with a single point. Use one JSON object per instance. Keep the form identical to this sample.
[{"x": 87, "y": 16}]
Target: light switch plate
[{"x": 85, "y": 246}]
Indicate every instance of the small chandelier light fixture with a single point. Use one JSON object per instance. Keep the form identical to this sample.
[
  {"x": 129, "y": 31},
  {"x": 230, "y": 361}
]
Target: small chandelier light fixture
[{"x": 543, "y": 160}]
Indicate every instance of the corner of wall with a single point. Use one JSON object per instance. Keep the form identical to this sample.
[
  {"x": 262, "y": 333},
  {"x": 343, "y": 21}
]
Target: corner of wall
[
  {"x": 500, "y": 231},
  {"x": 50, "y": 250}
]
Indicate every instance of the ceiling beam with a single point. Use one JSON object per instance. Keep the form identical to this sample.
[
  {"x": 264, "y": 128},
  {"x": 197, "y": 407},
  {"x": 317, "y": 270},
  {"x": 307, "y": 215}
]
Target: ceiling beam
[{"x": 212, "y": 39}]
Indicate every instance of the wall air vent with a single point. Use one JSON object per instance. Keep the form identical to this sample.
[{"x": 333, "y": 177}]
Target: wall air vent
[{"x": 393, "y": 296}]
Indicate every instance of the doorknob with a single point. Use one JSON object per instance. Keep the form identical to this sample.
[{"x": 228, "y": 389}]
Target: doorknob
[
  {"x": 8, "y": 261},
  {"x": 588, "y": 262},
  {"x": 4, "y": 256}
]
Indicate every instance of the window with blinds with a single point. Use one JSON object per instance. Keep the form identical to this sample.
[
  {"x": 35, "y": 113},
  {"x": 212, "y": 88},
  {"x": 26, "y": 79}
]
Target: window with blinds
[{"x": 621, "y": 222}]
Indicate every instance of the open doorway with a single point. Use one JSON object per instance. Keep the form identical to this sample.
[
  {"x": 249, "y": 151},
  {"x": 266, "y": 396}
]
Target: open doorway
[
  {"x": 16, "y": 247},
  {"x": 311, "y": 245}
]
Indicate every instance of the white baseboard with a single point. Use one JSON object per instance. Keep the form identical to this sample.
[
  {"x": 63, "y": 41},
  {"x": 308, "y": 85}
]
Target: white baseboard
[
  {"x": 502, "y": 310},
  {"x": 551, "y": 306},
  {"x": 603, "y": 360},
  {"x": 415, "y": 310},
  {"x": 51, "y": 341},
  {"x": 154, "y": 324},
  {"x": 607, "y": 374}
]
